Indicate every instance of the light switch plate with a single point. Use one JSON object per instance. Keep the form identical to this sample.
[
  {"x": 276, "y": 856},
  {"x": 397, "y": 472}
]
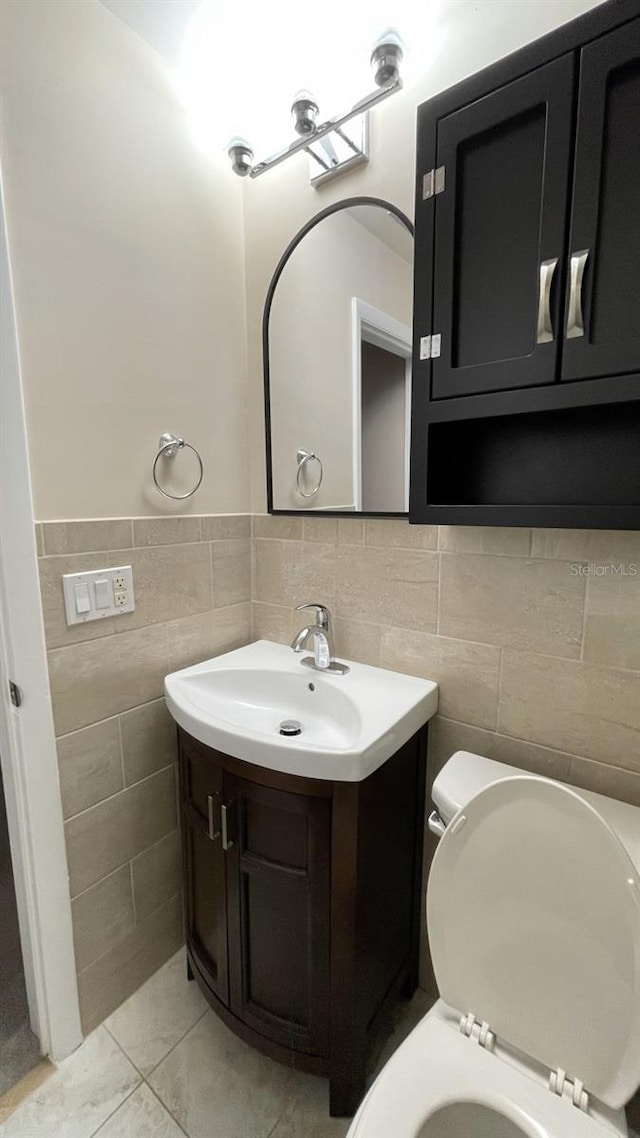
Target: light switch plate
[{"x": 110, "y": 593}]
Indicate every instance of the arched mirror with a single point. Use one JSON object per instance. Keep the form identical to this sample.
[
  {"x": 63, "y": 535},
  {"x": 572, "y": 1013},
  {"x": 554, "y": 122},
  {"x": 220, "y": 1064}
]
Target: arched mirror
[{"x": 337, "y": 363}]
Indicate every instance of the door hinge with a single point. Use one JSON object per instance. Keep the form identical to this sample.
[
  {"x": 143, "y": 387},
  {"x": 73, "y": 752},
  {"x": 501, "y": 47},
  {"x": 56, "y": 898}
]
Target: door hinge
[
  {"x": 477, "y": 1030},
  {"x": 15, "y": 693},
  {"x": 433, "y": 183},
  {"x": 430, "y": 347},
  {"x": 573, "y": 1089}
]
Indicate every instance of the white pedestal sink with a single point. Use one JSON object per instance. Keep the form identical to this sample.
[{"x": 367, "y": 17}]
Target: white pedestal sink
[{"x": 350, "y": 725}]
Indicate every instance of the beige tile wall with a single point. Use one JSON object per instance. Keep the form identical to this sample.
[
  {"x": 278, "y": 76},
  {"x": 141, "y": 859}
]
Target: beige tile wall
[
  {"x": 535, "y": 647},
  {"x": 116, "y": 741},
  {"x": 532, "y": 635}
]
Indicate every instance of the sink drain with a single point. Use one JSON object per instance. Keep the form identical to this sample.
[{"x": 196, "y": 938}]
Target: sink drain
[{"x": 290, "y": 727}]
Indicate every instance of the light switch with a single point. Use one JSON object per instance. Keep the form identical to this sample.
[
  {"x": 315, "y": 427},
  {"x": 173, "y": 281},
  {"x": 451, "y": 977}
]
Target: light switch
[
  {"x": 98, "y": 593},
  {"x": 104, "y": 596},
  {"x": 83, "y": 600}
]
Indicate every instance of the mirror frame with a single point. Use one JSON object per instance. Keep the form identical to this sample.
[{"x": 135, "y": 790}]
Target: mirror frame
[{"x": 344, "y": 203}]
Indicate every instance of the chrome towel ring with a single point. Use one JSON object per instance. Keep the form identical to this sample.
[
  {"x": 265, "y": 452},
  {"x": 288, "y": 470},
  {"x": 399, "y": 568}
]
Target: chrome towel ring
[
  {"x": 168, "y": 446},
  {"x": 303, "y": 457}
]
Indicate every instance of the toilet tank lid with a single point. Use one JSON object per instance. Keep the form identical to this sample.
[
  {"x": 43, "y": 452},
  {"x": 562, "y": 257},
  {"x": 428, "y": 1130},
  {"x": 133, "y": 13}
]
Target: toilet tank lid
[
  {"x": 462, "y": 777},
  {"x": 466, "y": 774}
]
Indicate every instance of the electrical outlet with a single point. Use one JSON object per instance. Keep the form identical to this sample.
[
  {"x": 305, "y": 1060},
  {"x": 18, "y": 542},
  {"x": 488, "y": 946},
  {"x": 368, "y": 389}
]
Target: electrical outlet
[{"x": 98, "y": 593}]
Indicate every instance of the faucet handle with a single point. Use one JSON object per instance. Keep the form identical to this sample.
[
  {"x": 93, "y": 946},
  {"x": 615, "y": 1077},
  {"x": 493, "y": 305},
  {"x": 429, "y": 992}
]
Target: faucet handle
[{"x": 323, "y": 616}]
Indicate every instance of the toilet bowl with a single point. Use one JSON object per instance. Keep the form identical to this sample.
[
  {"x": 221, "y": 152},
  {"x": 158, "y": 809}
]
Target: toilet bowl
[{"x": 533, "y": 916}]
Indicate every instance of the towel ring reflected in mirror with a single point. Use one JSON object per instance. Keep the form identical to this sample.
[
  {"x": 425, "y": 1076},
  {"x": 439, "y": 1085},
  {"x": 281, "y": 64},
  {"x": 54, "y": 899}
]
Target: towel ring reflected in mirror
[
  {"x": 168, "y": 447},
  {"x": 303, "y": 457}
]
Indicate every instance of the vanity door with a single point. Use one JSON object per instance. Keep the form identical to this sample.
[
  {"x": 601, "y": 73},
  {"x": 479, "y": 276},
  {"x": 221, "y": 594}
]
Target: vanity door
[
  {"x": 204, "y": 864},
  {"x": 278, "y": 874}
]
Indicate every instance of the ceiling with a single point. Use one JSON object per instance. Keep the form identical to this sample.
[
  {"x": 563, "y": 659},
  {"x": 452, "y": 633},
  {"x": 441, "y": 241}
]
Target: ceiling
[{"x": 162, "y": 23}]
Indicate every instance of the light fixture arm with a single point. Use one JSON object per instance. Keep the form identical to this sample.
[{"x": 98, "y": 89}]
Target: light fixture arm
[{"x": 327, "y": 127}]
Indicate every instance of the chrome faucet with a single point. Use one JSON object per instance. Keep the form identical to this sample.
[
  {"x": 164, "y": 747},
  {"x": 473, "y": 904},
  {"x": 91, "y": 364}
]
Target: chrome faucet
[{"x": 320, "y": 632}]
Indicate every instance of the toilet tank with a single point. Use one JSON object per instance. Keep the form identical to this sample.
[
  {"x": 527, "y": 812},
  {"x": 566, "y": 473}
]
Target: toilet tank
[{"x": 466, "y": 774}]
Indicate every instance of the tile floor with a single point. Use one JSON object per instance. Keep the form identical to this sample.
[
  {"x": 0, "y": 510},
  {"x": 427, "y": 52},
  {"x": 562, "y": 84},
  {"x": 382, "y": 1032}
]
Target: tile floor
[{"x": 164, "y": 1066}]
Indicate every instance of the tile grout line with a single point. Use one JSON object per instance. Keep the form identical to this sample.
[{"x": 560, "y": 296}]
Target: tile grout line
[
  {"x": 172, "y": 1049},
  {"x": 540, "y": 746},
  {"x": 124, "y": 777},
  {"x": 104, "y": 1024},
  {"x": 106, "y": 952},
  {"x": 499, "y": 692},
  {"x": 399, "y": 545},
  {"x": 212, "y": 590},
  {"x": 124, "y": 789},
  {"x": 585, "y": 607},
  {"x": 96, "y": 1133},
  {"x": 108, "y": 718},
  {"x": 438, "y": 591},
  {"x": 165, "y": 1107},
  {"x": 133, "y": 895},
  {"x": 152, "y": 625}
]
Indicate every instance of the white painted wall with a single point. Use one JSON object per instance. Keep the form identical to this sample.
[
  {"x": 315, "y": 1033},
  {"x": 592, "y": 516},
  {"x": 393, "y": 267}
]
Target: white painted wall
[
  {"x": 127, "y": 249},
  {"x": 475, "y": 33},
  {"x": 311, "y": 374}
]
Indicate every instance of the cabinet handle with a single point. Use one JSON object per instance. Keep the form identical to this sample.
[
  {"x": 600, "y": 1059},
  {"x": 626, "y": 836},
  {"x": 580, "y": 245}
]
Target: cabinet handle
[
  {"x": 575, "y": 321},
  {"x": 545, "y": 327},
  {"x": 226, "y": 844},
  {"x": 212, "y": 832}
]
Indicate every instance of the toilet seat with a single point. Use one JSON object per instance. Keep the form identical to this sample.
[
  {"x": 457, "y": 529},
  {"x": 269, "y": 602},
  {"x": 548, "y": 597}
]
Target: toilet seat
[
  {"x": 437, "y": 1065},
  {"x": 533, "y": 913},
  {"x": 525, "y": 857}
]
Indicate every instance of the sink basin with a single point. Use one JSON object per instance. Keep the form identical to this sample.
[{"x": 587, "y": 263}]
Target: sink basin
[{"x": 348, "y": 725}]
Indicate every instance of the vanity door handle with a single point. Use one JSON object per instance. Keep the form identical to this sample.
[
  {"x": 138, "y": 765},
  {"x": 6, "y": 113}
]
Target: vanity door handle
[
  {"x": 212, "y": 832},
  {"x": 544, "y": 333},
  {"x": 575, "y": 320},
  {"x": 226, "y": 841}
]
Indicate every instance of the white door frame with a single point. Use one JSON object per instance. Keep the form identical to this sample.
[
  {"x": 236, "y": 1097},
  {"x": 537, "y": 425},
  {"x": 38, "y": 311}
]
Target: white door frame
[
  {"x": 376, "y": 327},
  {"x": 27, "y": 740}
]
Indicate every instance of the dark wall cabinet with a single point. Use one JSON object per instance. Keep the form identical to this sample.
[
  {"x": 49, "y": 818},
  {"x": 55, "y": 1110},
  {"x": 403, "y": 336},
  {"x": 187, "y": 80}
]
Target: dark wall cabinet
[
  {"x": 527, "y": 285},
  {"x": 303, "y": 905}
]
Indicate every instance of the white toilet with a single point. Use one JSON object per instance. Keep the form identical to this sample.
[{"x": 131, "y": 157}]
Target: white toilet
[{"x": 533, "y": 915}]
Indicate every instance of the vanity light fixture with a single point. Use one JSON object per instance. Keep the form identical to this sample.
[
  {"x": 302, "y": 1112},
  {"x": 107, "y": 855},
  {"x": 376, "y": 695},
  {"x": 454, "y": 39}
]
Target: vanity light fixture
[{"x": 331, "y": 147}]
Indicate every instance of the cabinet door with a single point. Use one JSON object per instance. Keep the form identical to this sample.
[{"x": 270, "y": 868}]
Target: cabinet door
[
  {"x": 204, "y": 864},
  {"x": 278, "y": 880},
  {"x": 603, "y": 307},
  {"x": 500, "y": 231}
]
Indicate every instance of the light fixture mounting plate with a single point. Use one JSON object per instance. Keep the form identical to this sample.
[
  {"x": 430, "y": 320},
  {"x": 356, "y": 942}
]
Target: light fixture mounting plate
[{"x": 340, "y": 151}]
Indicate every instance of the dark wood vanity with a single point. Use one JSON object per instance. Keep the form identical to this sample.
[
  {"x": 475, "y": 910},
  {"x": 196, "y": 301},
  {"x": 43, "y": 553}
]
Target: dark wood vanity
[{"x": 302, "y": 904}]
